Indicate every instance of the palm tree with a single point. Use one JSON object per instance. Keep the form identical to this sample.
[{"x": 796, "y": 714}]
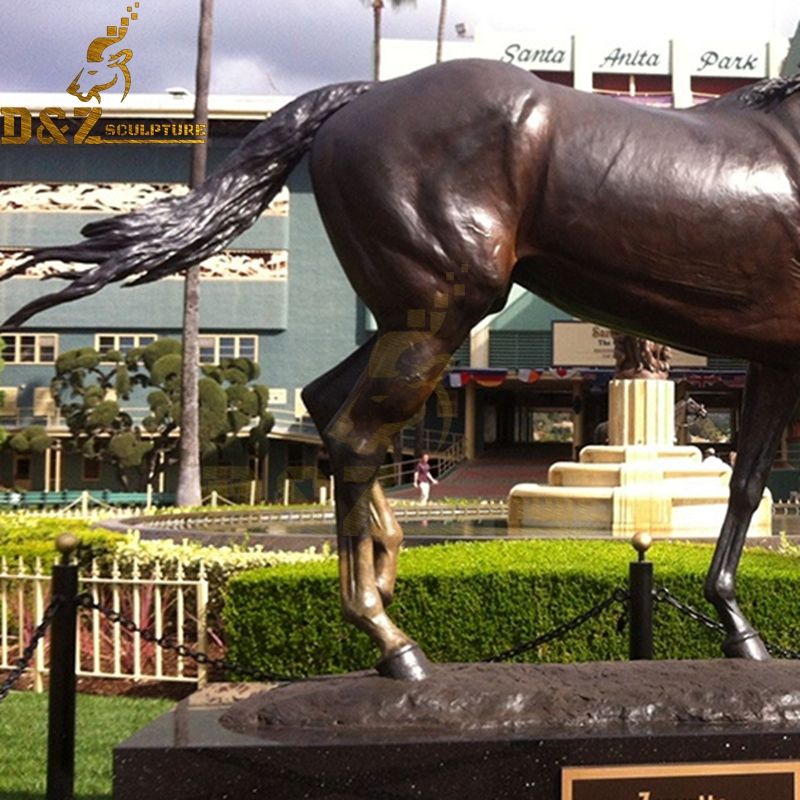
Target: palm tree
[
  {"x": 440, "y": 29},
  {"x": 377, "y": 12},
  {"x": 189, "y": 477}
]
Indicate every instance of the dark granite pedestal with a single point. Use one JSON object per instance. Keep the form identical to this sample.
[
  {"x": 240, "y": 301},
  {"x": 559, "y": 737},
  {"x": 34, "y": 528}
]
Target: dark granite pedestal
[{"x": 481, "y": 732}]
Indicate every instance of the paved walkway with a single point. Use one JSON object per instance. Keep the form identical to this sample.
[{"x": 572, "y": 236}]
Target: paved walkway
[{"x": 493, "y": 474}]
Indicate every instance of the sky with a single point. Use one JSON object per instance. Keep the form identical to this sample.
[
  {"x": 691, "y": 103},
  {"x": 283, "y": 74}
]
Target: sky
[{"x": 271, "y": 47}]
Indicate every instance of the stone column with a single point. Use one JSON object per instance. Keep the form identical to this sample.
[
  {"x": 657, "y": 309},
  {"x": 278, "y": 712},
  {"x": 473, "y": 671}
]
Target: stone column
[
  {"x": 641, "y": 412},
  {"x": 470, "y": 411}
]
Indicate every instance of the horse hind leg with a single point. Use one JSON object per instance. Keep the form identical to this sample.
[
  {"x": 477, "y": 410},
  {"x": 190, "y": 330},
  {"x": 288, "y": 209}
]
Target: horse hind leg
[
  {"x": 323, "y": 398},
  {"x": 402, "y": 371},
  {"x": 367, "y": 557},
  {"x": 770, "y": 397},
  {"x": 387, "y": 538}
]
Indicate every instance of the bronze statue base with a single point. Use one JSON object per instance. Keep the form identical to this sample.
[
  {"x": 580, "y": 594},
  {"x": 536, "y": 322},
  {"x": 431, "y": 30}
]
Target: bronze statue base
[
  {"x": 467, "y": 732},
  {"x": 501, "y": 698}
]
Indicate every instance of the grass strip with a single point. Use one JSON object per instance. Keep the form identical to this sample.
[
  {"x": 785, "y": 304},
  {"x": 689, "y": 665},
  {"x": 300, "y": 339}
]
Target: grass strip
[{"x": 102, "y": 723}]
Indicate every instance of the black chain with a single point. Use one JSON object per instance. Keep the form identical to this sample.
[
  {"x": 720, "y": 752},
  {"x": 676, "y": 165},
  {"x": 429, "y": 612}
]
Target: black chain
[
  {"x": 777, "y": 650},
  {"x": 619, "y": 596},
  {"x": 662, "y": 594},
  {"x": 23, "y": 662},
  {"x": 182, "y": 650}
]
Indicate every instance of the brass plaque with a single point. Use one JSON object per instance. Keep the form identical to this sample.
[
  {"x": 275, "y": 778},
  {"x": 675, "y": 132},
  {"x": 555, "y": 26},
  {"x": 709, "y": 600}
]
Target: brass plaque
[{"x": 775, "y": 780}]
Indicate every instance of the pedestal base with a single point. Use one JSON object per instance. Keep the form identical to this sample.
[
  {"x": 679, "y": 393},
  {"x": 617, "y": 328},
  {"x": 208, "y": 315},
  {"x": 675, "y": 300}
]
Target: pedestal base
[
  {"x": 662, "y": 490},
  {"x": 724, "y": 712}
]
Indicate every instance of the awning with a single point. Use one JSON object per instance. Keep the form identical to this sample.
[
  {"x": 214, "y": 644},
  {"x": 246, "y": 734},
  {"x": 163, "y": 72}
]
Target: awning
[{"x": 491, "y": 377}]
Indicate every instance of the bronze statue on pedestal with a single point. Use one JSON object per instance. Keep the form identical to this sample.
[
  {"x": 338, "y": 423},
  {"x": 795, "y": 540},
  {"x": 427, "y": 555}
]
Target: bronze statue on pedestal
[{"x": 442, "y": 188}]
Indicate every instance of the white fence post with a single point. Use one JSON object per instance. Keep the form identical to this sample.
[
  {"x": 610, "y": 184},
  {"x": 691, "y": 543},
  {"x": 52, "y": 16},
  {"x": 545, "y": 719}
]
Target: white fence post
[
  {"x": 38, "y": 613},
  {"x": 202, "y": 629}
]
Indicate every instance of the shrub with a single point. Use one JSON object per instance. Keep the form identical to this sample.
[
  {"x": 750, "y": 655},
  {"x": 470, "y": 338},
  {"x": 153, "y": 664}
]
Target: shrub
[
  {"x": 29, "y": 537},
  {"x": 468, "y": 601},
  {"x": 218, "y": 563}
]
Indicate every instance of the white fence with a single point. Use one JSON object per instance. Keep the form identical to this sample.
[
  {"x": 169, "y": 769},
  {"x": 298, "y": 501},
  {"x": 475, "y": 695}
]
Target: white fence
[{"x": 172, "y": 606}]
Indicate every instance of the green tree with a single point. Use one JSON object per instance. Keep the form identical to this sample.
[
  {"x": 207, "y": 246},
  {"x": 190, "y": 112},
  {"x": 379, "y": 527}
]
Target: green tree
[
  {"x": 33, "y": 439},
  {"x": 89, "y": 389},
  {"x": 377, "y": 7}
]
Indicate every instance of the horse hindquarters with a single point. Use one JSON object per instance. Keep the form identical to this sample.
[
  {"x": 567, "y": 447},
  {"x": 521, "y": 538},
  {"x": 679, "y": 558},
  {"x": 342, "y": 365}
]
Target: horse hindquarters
[{"x": 359, "y": 407}]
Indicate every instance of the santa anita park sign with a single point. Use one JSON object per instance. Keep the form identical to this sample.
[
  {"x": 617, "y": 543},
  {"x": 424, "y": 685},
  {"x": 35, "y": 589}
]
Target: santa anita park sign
[{"x": 610, "y": 55}]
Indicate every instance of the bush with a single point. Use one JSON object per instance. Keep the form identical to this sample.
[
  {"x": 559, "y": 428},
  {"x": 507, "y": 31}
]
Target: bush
[
  {"x": 217, "y": 563},
  {"x": 30, "y": 537},
  {"x": 468, "y": 601}
]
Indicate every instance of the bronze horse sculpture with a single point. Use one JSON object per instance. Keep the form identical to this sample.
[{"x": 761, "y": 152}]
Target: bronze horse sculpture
[{"x": 441, "y": 189}]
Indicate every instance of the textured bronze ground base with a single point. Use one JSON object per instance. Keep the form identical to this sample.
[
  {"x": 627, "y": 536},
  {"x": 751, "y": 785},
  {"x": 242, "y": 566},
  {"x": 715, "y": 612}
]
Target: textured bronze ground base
[{"x": 469, "y": 731}]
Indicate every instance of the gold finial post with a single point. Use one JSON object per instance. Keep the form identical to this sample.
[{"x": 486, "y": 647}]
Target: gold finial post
[
  {"x": 67, "y": 544},
  {"x": 641, "y": 543},
  {"x": 640, "y": 599}
]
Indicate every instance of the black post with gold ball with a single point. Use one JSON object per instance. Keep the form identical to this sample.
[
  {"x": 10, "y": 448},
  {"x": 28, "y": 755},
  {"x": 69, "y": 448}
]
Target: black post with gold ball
[
  {"x": 640, "y": 587},
  {"x": 61, "y": 713}
]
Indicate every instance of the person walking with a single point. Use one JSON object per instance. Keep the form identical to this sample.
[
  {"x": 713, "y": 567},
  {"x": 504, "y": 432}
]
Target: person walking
[{"x": 423, "y": 478}]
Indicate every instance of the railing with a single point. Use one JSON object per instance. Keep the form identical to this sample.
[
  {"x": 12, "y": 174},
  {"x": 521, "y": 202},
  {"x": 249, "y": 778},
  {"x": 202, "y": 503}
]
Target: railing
[
  {"x": 285, "y": 419},
  {"x": 443, "y": 462},
  {"x": 170, "y": 605},
  {"x": 431, "y": 441},
  {"x": 793, "y": 453},
  {"x": 288, "y": 423},
  {"x": 83, "y": 501},
  {"x": 22, "y": 416},
  {"x": 188, "y": 523}
]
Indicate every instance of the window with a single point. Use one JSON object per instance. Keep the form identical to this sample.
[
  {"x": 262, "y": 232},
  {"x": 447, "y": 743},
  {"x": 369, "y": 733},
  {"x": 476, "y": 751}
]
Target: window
[
  {"x": 30, "y": 348},
  {"x": 122, "y": 342},
  {"x": 22, "y": 468},
  {"x": 214, "y": 348},
  {"x": 8, "y": 402},
  {"x": 91, "y": 469}
]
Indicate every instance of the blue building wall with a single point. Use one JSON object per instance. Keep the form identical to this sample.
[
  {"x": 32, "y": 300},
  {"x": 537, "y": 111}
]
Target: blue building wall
[{"x": 304, "y": 324}]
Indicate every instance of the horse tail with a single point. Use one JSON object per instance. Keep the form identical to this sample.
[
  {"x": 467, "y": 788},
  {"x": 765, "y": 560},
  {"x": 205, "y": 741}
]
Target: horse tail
[{"x": 167, "y": 236}]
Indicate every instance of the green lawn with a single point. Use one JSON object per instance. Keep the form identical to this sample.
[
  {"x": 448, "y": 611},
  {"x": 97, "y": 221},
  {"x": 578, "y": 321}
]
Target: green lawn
[{"x": 102, "y": 722}]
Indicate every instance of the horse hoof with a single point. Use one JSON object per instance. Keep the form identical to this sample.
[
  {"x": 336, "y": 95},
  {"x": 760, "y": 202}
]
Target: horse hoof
[
  {"x": 745, "y": 645},
  {"x": 408, "y": 663}
]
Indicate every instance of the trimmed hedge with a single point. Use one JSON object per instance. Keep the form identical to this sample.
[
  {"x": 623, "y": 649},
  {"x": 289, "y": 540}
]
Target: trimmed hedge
[
  {"x": 467, "y": 601},
  {"x": 31, "y": 537}
]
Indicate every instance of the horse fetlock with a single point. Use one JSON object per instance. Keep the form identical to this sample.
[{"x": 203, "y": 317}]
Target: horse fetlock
[
  {"x": 376, "y": 623},
  {"x": 364, "y": 608},
  {"x": 720, "y": 591},
  {"x": 385, "y": 585}
]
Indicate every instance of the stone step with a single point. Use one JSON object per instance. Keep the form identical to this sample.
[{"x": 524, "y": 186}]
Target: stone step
[
  {"x": 569, "y": 473},
  {"x": 666, "y": 508},
  {"x": 610, "y": 454}
]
